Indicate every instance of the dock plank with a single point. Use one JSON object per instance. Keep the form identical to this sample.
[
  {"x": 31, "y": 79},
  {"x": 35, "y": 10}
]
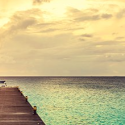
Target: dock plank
[{"x": 14, "y": 110}]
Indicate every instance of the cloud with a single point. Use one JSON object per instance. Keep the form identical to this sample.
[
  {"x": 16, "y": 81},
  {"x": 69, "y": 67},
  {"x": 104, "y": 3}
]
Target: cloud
[
  {"x": 24, "y": 24},
  {"x": 20, "y": 22},
  {"x": 38, "y": 2},
  {"x": 88, "y": 18},
  {"x": 86, "y": 35},
  {"x": 93, "y": 17},
  {"x": 87, "y": 14},
  {"x": 121, "y": 13},
  {"x": 120, "y": 38},
  {"x": 106, "y": 16},
  {"x": 49, "y": 30}
]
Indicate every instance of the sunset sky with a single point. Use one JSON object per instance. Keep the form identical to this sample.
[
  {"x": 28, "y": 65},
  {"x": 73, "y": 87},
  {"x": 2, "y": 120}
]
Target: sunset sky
[{"x": 62, "y": 37}]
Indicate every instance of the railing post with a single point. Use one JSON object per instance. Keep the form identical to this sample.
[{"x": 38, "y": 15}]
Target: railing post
[
  {"x": 21, "y": 92},
  {"x": 34, "y": 110},
  {"x": 26, "y": 98}
]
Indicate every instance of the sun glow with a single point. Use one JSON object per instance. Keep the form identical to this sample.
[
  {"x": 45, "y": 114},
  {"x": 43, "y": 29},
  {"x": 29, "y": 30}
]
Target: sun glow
[{"x": 3, "y": 21}]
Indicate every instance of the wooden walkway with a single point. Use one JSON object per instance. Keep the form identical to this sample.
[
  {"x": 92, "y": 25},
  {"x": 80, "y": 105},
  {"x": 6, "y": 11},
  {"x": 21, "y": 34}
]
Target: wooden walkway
[{"x": 14, "y": 110}]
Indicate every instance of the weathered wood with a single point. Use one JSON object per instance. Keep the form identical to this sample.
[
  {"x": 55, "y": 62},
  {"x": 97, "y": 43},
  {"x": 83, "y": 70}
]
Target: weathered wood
[{"x": 15, "y": 110}]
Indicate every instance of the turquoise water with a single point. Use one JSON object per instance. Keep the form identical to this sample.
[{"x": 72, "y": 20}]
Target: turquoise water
[{"x": 75, "y": 100}]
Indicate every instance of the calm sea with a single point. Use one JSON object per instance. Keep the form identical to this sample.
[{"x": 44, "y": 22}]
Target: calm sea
[{"x": 75, "y": 100}]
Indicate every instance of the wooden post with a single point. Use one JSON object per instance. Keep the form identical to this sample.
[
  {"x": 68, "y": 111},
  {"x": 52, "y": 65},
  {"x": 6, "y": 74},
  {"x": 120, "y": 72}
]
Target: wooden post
[
  {"x": 21, "y": 93},
  {"x": 26, "y": 98},
  {"x": 34, "y": 110}
]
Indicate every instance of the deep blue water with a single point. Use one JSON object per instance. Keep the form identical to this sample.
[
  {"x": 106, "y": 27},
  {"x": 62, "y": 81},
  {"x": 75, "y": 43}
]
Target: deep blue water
[{"x": 75, "y": 100}]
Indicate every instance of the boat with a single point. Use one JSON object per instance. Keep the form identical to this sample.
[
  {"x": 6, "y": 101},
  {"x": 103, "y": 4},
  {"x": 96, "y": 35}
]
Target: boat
[{"x": 2, "y": 81}]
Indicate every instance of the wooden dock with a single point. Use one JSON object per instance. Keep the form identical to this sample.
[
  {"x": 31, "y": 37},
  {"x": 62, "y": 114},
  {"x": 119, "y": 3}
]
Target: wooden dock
[{"x": 15, "y": 110}]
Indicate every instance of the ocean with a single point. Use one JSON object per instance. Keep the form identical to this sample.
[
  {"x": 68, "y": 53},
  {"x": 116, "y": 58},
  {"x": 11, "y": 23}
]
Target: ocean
[{"x": 75, "y": 100}]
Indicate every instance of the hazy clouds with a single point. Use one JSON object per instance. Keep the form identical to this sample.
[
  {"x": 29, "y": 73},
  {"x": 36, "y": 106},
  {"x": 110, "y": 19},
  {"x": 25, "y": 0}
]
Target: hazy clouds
[{"x": 75, "y": 40}]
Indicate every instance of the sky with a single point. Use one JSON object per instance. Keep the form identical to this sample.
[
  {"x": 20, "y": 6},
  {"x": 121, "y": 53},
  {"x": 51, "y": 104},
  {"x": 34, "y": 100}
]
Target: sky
[{"x": 62, "y": 37}]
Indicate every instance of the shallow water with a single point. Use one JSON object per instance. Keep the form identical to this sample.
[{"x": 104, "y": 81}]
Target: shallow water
[{"x": 75, "y": 100}]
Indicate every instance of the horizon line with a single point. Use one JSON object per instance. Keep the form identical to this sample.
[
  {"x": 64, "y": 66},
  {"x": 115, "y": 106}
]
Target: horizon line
[{"x": 64, "y": 76}]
